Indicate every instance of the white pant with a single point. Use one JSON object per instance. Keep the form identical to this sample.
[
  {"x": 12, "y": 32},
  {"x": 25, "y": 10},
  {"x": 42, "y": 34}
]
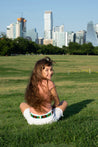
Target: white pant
[{"x": 57, "y": 113}]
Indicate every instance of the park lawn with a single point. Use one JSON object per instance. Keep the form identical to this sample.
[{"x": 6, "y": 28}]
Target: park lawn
[{"x": 76, "y": 80}]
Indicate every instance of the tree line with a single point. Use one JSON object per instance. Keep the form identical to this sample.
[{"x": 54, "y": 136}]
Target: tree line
[{"x": 23, "y": 46}]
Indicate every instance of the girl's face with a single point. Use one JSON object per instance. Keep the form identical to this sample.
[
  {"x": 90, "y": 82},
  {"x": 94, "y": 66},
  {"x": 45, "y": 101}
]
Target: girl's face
[{"x": 47, "y": 72}]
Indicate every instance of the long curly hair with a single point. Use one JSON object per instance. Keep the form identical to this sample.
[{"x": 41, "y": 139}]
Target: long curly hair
[{"x": 32, "y": 94}]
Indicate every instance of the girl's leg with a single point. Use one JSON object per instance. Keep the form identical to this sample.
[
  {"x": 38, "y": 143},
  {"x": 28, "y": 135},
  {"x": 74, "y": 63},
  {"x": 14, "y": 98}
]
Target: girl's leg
[
  {"x": 24, "y": 106},
  {"x": 25, "y": 109},
  {"x": 62, "y": 105}
]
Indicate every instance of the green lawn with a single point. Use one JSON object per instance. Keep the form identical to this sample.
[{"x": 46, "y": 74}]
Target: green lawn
[{"x": 76, "y": 79}]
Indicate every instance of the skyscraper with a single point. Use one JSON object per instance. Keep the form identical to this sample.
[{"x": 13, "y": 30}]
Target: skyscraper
[
  {"x": 91, "y": 35},
  {"x": 21, "y": 27},
  {"x": 33, "y": 35},
  {"x": 11, "y": 31},
  {"x": 70, "y": 37},
  {"x": 80, "y": 37},
  {"x": 96, "y": 29},
  {"x": 59, "y": 36},
  {"x": 48, "y": 25},
  {"x": 17, "y": 29}
]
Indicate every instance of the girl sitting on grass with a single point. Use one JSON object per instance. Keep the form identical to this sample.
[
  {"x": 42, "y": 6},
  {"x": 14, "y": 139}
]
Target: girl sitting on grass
[{"x": 39, "y": 95}]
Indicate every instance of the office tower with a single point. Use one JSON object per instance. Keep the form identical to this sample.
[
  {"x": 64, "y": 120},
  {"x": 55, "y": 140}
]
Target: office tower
[
  {"x": 8, "y": 32},
  {"x": 17, "y": 29},
  {"x": 58, "y": 28},
  {"x": 11, "y": 31},
  {"x": 2, "y": 34},
  {"x": 32, "y": 34},
  {"x": 91, "y": 35},
  {"x": 96, "y": 29},
  {"x": 70, "y": 37},
  {"x": 21, "y": 27},
  {"x": 48, "y": 25},
  {"x": 59, "y": 36},
  {"x": 80, "y": 37},
  {"x": 40, "y": 40}
]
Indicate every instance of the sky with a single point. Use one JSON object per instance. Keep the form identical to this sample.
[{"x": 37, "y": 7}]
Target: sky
[{"x": 73, "y": 14}]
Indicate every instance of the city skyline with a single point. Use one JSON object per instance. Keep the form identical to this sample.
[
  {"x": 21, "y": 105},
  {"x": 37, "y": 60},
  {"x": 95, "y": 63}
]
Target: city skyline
[{"x": 73, "y": 15}]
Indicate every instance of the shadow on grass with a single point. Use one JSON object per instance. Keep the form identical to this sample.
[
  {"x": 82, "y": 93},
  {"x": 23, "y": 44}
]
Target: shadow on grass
[{"x": 76, "y": 108}]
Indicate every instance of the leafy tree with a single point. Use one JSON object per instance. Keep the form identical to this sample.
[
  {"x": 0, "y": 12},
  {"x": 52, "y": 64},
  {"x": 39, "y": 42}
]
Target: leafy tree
[
  {"x": 65, "y": 50},
  {"x": 87, "y": 48},
  {"x": 74, "y": 48},
  {"x": 5, "y": 46},
  {"x": 95, "y": 50},
  {"x": 23, "y": 46}
]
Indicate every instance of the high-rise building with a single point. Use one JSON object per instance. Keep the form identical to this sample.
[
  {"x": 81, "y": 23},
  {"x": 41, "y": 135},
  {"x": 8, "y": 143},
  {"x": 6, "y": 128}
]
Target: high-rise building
[
  {"x": 91, "y": 35},
  {"x": 70, "y": 37},
  {"x": 2, "y": 34},
  {"x": 33, "y": 35},
  {"x": 59, "y": 36},
  {"x": 21, "y": 27},
  {"x": 48, "y": 25},
  {"x": 80, "y": 37},
  {"x": 8, "y": 32},
  {"x": 96, "y": 29},
  {"x": 17, "y": 29},
  {"x": 58, "y": 28},
  {"x": 11, "y": 31},
  {"x": 40, "y": 40}
]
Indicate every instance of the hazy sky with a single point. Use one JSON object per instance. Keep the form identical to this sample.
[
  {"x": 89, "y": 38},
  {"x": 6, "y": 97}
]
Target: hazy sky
[{"x": 74, "y": 14}]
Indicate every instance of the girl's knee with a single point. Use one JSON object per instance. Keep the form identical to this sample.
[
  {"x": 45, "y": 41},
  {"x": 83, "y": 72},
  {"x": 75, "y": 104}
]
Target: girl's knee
[
  {"x": 23, "y": 106},
  {"x": 65, "y": 103}
]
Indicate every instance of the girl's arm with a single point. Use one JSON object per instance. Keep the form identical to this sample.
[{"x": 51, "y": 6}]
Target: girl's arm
[{"x": 55, "y": 96}]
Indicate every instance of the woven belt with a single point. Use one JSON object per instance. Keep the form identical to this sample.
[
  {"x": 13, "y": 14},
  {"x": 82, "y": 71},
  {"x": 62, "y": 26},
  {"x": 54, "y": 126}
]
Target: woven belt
[{"x": 42, "y": 116}]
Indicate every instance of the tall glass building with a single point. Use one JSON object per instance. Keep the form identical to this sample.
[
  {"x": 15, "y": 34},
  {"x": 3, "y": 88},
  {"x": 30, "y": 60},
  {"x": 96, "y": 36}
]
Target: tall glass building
[
  {"x": 17, "y": 29},
  {"x": 96, "y": 28},
  {"x": 70, "y": 37},
  {"x": 59, "y": 36},
  {"x": 80, "y": 37},
  {"x": 48, "y": 25},
  {"x": 11, "y": 31},
  {"x": 33, "y": 35},
  {"x": 91, "y": 35},
  {"x": 21, "y": 29}
]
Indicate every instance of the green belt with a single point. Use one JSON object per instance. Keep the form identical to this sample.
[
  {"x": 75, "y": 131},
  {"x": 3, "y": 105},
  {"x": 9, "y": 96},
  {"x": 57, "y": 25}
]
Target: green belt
[{"x": 42, "y": 116}]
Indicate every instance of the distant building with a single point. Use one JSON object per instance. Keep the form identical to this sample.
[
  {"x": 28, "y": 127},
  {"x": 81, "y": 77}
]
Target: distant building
[
  {"x": 40, "y": 40},
  {"x": 47, "y": 41},
  {"x": 2, "y": 34},
  {"x": 91, "y": 35},
  {"x": 10, "y": 31},
  {"x": 17, "y": 29},
  {"x": 21, "y": 27},
  {"x": 48, "y": 25},
  {"x": 33, "y": 35},
  {"x": 96, "y": 29},
  {"x": 80, "y": 37},
  {"x": 70, "y": 37},
  {"x": 58, "y": 28},
  {"x": 59, "y": 36},
  {"x": 28, "y": 38}
]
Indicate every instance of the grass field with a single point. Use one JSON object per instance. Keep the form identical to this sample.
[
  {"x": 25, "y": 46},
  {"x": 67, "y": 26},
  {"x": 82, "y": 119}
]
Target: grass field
[{"x": 76, "y": 79}]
